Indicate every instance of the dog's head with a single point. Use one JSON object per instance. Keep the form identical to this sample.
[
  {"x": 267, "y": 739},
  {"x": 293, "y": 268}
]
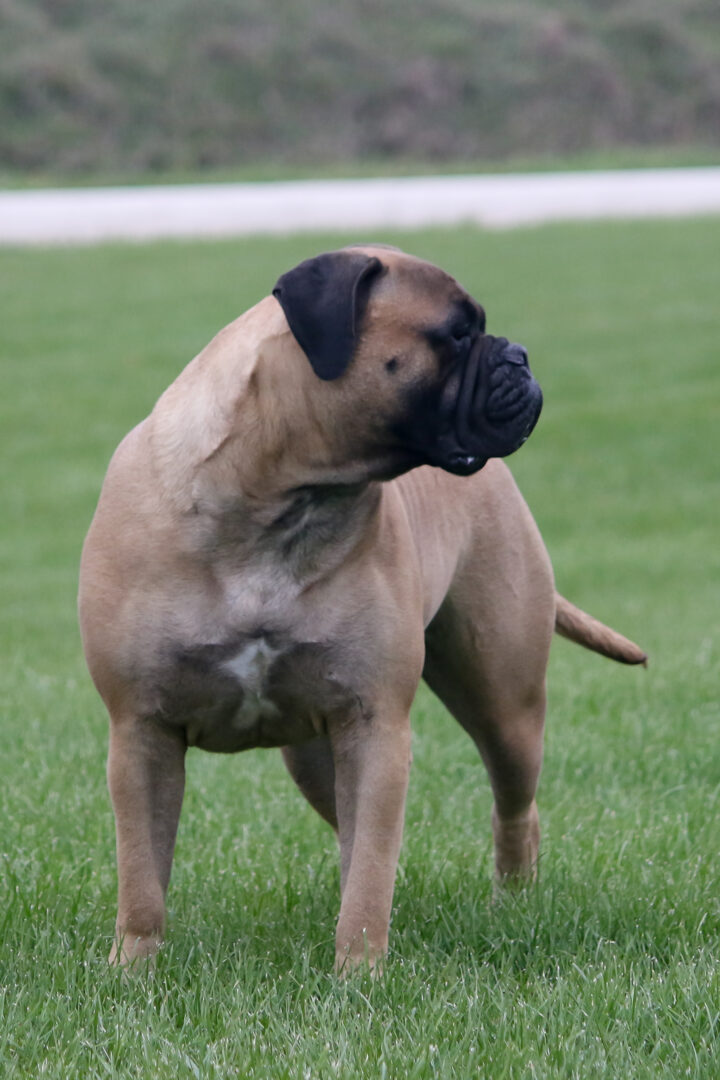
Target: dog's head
[{"x": 412, "y": 367}]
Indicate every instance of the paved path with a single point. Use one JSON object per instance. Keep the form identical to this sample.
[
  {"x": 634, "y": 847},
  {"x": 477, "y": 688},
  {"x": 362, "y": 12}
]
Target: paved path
[{"x": 90, "y": 215}]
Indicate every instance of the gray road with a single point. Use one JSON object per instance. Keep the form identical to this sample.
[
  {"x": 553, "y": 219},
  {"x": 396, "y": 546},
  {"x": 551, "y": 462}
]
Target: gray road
[{"x": 91, "y": 215}]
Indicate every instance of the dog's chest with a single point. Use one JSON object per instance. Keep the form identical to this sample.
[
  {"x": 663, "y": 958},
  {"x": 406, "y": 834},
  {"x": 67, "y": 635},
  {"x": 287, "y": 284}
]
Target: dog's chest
[
  {"x": 251, "y": 667},
  {"x": 253, "y": 690}
]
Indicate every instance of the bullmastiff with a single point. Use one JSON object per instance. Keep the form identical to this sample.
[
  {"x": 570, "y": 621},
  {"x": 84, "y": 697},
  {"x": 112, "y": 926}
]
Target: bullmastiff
[{"x": 313, "y": 517}]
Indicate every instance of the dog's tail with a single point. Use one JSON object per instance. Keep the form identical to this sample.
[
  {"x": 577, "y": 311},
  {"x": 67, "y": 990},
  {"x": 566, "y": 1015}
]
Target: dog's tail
[{"x": 578, "y": 626}]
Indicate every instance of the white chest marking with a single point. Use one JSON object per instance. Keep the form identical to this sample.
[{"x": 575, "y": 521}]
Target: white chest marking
[{"x": 251, "y": 667}]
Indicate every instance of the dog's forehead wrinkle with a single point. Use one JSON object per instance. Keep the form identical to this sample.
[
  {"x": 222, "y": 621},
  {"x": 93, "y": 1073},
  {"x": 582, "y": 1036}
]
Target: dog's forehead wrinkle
[
  {"x": 464, "y": 314},
  {"x": 423, "y": 288},
  {"x": 392, "y": 321}
]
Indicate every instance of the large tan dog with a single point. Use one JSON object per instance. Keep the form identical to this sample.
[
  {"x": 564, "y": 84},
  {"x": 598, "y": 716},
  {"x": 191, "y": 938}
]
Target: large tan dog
[{"x": 291, "y": 540}]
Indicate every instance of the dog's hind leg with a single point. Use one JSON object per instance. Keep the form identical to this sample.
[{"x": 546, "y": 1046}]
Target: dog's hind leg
[
  {"x": 146, "y": 776},
  {"x": 494, "y": 685},
  {"x": 311, "y": 766}
]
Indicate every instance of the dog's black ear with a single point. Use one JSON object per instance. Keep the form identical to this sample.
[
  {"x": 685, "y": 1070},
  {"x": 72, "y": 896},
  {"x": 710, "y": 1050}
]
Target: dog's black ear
[{"x": 324, "y": 300}]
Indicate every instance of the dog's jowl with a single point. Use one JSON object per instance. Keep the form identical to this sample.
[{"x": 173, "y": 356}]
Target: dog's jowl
[{"x": 313, "y": 517}]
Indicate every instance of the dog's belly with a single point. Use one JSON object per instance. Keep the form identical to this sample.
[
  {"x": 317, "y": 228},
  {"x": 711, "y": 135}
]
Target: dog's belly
[
  {"x": 245, "y": 722},
  {"x": 253, "y": 691}
]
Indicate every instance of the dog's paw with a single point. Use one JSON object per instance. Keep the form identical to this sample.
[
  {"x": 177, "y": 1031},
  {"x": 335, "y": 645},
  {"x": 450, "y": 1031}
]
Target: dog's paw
[
  {"x": 370, "y": 962},
  {"x": 134, "y": 955}
]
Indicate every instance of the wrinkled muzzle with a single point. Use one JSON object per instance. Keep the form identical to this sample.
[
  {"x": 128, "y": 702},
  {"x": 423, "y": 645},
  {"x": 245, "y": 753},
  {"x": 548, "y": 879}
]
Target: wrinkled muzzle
[{"x": 488, "y": 407}]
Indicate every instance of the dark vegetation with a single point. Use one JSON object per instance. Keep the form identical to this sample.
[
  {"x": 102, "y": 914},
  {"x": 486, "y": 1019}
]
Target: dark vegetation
[{"x": 135, "y": 87}]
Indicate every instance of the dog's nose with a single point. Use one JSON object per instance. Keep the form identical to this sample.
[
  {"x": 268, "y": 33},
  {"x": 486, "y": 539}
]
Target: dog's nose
[{"x": 516, "y": 354}]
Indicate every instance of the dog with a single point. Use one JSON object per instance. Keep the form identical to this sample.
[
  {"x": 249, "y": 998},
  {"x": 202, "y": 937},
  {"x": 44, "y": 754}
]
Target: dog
[{"x": 314, "y": 516}]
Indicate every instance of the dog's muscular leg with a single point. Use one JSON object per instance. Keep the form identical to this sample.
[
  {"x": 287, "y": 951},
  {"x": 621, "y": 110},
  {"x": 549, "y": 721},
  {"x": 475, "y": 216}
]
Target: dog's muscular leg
[
  {"x": 505, "y": 718},
  {"x": 311, "y": 767},
  {"x": 510, "y": 743},
  {"x": 371, "y": 768},
  {"x": 146, "y": 777},
  {"x": 512, "y": 751}
]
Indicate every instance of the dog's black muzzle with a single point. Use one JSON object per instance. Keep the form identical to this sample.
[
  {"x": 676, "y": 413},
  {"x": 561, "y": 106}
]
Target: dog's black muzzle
[{"x": 488, "y": 407}]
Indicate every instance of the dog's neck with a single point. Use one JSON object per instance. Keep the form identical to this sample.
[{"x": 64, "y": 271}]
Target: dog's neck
[{"x": 243, "y": 446}]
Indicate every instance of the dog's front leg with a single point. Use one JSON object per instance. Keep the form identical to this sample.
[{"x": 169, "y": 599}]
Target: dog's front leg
[
  {"x": 146, "y": 777},
  {"x": 372, "y": 765}
]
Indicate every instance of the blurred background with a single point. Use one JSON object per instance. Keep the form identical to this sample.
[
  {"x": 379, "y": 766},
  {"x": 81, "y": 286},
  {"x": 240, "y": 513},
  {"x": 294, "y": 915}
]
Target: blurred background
[{"x": 125, "y": 89}]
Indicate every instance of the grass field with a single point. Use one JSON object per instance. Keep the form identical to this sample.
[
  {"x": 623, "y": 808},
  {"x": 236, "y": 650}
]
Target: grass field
[
  {"x": 609, "y": 968},
  {"x": 627, "y": 157}
]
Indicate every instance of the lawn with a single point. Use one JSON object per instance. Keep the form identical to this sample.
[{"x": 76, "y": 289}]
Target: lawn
[
  {"x": 624, "y": 157},
  {"x": 609, "y": 967}
]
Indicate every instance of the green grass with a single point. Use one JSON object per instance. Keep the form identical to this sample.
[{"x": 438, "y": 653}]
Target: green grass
[
  {"x": 609, "y": 967},
  {"x": 628, "y": 157}
]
